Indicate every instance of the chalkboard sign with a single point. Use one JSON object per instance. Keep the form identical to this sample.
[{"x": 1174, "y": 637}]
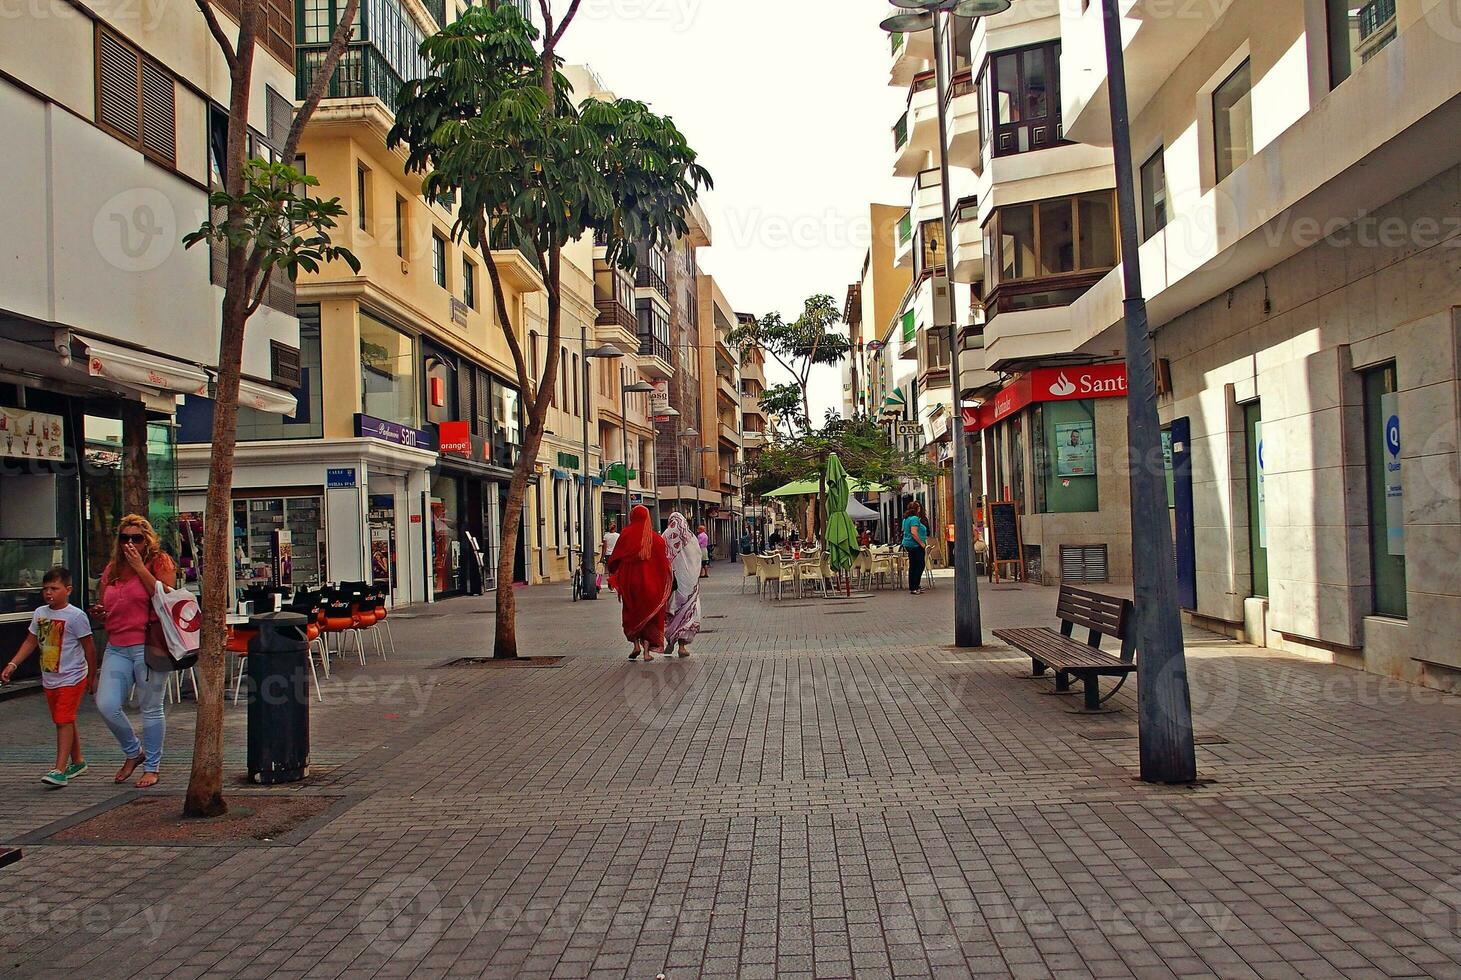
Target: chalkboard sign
[
  {"x": 1005, "y": 546},
  {"x": 1004, "y": 523}
]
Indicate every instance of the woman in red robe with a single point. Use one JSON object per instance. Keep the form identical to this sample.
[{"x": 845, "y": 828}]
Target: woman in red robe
[{"x": 640, "y": 565}]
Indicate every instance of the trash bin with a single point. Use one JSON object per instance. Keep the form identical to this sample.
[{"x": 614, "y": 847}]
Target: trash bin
[{"x": 277, "y": 669}]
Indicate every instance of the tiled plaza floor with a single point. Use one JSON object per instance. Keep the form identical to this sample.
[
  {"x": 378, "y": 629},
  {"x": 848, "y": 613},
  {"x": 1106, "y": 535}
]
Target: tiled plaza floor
[{"x": 823, "y": 789}]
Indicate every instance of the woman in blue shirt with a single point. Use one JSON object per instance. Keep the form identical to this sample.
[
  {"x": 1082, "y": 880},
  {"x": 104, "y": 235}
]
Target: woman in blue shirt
[{"x": 915, "y": 542}]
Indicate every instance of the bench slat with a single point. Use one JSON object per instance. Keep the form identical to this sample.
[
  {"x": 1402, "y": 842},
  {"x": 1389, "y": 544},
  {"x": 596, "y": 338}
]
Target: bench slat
[
  {"x": 1106, "y": 614},
  {"x": 1061, "y": 652}
]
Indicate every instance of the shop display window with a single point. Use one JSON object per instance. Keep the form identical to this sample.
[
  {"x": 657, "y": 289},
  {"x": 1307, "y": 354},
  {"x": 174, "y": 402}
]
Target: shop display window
[{"x": 256, "y": 519}]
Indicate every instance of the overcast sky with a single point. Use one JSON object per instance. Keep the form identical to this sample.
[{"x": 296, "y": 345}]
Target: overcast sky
[{"x": 788, "y": 105}]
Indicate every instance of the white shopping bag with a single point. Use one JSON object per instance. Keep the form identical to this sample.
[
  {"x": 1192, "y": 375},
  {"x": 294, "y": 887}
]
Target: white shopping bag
[{"x": 181, "y": 621}]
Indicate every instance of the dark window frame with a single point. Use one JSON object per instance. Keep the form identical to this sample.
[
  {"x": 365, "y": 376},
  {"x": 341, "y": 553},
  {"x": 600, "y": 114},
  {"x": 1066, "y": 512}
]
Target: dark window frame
[
  {"x": 1039, "y": 132},
  {"x": 1223, "y": 158},
  {"x": 1153, "y": 211}
]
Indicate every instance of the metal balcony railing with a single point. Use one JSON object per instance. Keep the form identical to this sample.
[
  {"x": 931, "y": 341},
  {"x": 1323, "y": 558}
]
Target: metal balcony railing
[
  {"x": 614, "y": 313},
  {"x": 650, "y": 346},
  {"x": 362, "y": 73},
  {"x": 1375, "y": 14}
]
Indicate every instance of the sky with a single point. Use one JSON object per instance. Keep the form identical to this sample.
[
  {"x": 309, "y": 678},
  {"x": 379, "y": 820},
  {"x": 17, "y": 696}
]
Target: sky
[{"x": 788, "y": 105}]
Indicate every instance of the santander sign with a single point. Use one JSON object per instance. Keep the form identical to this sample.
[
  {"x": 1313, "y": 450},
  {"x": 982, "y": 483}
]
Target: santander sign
[{"x": 1048, "y": 385}]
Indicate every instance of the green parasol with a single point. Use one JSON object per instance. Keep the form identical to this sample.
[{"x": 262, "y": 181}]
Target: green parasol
[
  {"x": 841, "y": 532},
  {"x": 808, "y": 488}
]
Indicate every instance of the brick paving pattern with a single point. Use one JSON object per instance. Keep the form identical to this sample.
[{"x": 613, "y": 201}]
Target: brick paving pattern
[{"x": 824, "y": 789}]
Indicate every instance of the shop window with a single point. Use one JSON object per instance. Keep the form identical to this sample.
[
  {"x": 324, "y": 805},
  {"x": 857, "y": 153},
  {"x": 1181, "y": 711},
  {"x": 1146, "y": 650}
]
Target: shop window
[
  {"x": 1386, "y": 491},
  {"x": 1153, "y": 194},
  {"x": 1357, "y": 30},
  {"x": 387, "y": 372},
  {"x": 441, "y": 390},
  {"x": 256, "y": 551},
  {"x": 1257, "y": 498},
  {"x": 506, "y": 423},
  {"x": 1063, "y": 440},
  {"x": 1232, "y": 120}
]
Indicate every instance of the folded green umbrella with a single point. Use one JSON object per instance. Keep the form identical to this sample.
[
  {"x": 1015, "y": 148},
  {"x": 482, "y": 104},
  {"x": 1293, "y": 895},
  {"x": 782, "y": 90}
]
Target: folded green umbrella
[{"x": 841, "y": 532}]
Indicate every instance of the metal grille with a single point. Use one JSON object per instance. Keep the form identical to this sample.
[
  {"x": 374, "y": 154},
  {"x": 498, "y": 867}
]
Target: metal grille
[
  {"x": 1083, "y": 563},
  {"x": 159, "y": 125}
]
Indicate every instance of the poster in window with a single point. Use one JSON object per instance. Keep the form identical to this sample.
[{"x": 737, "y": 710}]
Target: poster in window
[
  {"x": 1075, "y": 448},
  {"x": 30, "y": 435},
  {"x": 283, "y": 558},
  {"x": 1394, "y": 488}
]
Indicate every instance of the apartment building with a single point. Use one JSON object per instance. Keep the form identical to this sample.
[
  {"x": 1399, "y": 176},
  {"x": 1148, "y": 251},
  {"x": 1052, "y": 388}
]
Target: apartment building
[
  {"x": 720, "y": 419},
  {"x": 1034, "y": 228},
  {"x": 111, "y": 118},
  {"x": 394, "y": 467},
  {"x": 1300, "y": 189}
]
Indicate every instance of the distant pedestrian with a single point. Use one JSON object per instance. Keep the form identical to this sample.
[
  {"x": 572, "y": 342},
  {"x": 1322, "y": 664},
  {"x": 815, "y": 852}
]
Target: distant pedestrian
[
  {"x": 703, "y": 540},
  {"x": 611, "y": 538},
  {"x": 641, "y": 569},
  {"x": 915, "y": 542},
  {"x": 775, "y": 539},
  {"x": 685, "y": 555},
  {"x": 138, "y": 564},
  {"x": 62, "y": 634}
]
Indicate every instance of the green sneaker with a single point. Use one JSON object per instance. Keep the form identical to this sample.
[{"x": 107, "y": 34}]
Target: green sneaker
[
  {"x": 75, "y": 769},
  {"x": 55, "y": 778}
]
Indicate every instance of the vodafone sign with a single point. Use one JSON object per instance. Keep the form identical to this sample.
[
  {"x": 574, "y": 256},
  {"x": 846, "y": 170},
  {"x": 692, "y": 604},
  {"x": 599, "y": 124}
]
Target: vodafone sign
[{"x": 1055, "y": 384}]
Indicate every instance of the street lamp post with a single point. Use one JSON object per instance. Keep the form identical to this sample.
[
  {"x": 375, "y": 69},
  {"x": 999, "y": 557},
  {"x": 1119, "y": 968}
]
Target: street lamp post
[
  {"x": 930, "y": 15},
  {"x": 637, "y": 388},
  {"x": 588, "y": 586},
  {"x": 1164, "y": 705}
]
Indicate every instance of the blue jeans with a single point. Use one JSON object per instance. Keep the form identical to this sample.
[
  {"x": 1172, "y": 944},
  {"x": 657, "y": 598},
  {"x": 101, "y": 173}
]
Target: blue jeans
[{"x": 121, "y": 667}]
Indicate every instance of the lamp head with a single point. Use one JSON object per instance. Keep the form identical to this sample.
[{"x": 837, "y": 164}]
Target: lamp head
[{"x": 910, "y": 23}]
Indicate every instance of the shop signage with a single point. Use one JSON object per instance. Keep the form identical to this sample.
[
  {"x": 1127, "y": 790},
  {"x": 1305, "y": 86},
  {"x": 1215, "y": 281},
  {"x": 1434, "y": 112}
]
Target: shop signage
[
  {"x": 659, "y": 398},
  {"x": 31, "y": 435},
  {"x": 454, "y": 438},
  {"x": 1048, "y": 385},
  {"x": 567, "y": 460},
  {"x": 340, "y": 477},
  {"x": 368, "y": 426},
  {"x": 1394, "y": 491}
]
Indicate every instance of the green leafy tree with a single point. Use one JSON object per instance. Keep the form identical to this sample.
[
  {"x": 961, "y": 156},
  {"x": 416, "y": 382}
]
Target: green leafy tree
[
  {"x": 269, "y": 226},
  {"x": 784, "y": 407},
  {"x": 492, "y": 124},
  {"x": 812, "y": 339}
]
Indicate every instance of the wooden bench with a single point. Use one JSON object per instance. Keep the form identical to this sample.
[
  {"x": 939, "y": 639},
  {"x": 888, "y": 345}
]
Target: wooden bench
[{"x": 1102, "y": 615}]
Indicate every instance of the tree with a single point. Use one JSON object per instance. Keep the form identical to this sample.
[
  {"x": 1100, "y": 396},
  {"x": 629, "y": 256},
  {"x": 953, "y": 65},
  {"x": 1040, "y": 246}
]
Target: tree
[
  {"x": 809, "y": 340},
  {"x": 270, "y": 226},
  {"x": 493, "y": 125}
]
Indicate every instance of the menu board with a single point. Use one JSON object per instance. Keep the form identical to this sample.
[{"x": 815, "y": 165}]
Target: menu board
[
  {"x": 31, "y": 435},
  {"x": 1004, "y": 522}
]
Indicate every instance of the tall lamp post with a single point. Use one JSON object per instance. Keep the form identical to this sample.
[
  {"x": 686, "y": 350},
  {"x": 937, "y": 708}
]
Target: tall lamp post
[
  {"x": 931, "y": 15},
  {"x": 1164, "y": 704},
  {"x": 637, "y": 388},
  {"x": 588, "y": 585}
]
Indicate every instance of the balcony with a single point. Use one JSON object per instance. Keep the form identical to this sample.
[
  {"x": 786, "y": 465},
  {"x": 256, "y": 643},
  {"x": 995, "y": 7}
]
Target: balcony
[
  {"x": 363, "y": 73},
  {"x": 928, "y": 197},
  {"x": 656, "y": 358},
  {"x": 616, "y": 325},
  {"x": 968, "y": 242},
  {"x": 963, "y": 121},
  {"x": 753, "y": 439},
  {"x": 915, "y": 135},
  {"x": 910, "y": 54},
  {"x": 727, "y": 389},
  {"x": 651, "y": 279},
  {"x": 903, "y": 246},
  {"x": 729, "y": 434}
]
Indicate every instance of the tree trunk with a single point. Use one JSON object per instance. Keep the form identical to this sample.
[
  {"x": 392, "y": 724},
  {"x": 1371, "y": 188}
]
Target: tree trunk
[{"x": 135, "y": 477}]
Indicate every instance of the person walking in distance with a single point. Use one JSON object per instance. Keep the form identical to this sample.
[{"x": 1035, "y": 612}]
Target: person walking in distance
[
  {"x": 915, "y": 542},
  {"x": 611, "y": 538},
  {"x": 138, "y": 564},
  {"x": 685, "y": 565},
  {"x": 703, "y": 540},
  {"x": 640, "y": 566}
]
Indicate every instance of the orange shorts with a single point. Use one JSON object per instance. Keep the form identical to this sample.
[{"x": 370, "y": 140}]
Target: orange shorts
[{"x": 64, "y": 701}]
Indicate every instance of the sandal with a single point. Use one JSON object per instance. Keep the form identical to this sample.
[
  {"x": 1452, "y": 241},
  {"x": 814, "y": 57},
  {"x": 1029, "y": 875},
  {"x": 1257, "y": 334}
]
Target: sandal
[
  {"x": 128, "y": 767},
  {"x": 148, "y": 779}
]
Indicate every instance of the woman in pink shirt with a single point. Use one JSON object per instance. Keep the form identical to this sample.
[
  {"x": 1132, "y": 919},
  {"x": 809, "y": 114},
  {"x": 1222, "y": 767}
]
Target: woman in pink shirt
[{"x": 127, "y": 584}]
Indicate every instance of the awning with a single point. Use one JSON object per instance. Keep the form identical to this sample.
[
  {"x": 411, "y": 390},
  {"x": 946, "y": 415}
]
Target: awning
[
  {"x": 143, "y": 370},
  {"x": 266, "y": 398}
]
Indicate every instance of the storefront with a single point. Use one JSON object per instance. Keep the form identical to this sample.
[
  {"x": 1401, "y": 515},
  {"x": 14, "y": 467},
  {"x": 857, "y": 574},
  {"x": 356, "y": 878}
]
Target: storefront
[{"x": 1054, "y": 445}]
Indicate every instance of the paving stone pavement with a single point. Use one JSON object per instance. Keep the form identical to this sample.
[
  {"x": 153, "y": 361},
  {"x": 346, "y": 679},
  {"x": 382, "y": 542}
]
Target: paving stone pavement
[{"x": 824, "y": 789}]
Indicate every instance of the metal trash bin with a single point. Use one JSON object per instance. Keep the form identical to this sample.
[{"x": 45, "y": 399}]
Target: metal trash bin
[{"x": 277, "y": 668}]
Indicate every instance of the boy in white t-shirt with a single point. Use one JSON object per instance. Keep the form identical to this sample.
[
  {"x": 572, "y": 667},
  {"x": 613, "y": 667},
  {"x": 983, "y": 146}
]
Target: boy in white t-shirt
[{"x": 62, "y": 634}]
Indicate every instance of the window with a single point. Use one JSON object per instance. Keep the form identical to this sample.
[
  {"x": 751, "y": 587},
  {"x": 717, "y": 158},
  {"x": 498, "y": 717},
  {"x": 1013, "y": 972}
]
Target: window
[
  {"x": 469, "y": 283},
  {"x": 1153, "y": 194},
  {"x": 1386, "y": 491},
  {"x": 276, "y": 26},
  {"x": 362, "y": 196},
  {"x": 1051, "y": 238},
  {"x": 387, "y": 372},
  {"x": 402, "y": 214},
  {"x": 506, "y": 423},
  {"x": 1232, "y": 120},
  {"x": 438, "y": 259},
  {"x": 1063, "y": 440},
  {"x": 931, "y": 252},
  {"x": 576, "y": 383},
  {"x": 1357, "y": 29},
  {"x": 135, "y": 98},
  {"x": 441, "y": 388},
  {"x": 1020, "y": 106}
]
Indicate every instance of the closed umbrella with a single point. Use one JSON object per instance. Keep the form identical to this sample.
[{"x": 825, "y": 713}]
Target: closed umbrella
[{"x": 841, "y": 532}]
